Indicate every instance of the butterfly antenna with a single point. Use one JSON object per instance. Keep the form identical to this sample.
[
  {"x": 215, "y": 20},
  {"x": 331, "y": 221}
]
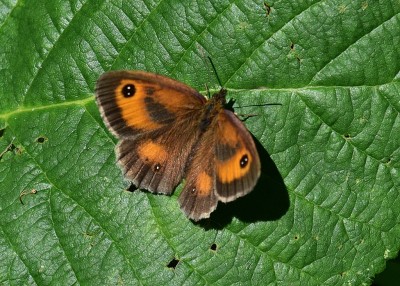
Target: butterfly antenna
[
  {"x": 247, "y": 116},
  {"x": 207, "y": 90},
  {"x": 215, "y": 71},
  {"x": 264, "y": 104}
]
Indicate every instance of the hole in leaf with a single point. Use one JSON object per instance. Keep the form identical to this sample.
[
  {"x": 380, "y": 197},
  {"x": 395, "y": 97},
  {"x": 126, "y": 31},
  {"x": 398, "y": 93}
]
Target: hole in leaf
[
  {"x": 11, "y": 147},
  {"x": 347, "y": 136},
  {"x": 173, "y": 263},
  {"x": 17, "y": 151},
  {"x": 41, "y": 139},
  {"x": 294, "y": 54},
  {"x": 24, "y": 193},
  {"x": 296, "y": 237},
  {"x": 213, "y": 247},
  {"x": 267, "y": 8},
  {"x": 131, "y": 188},
  {"x": 386, "y": 160}
]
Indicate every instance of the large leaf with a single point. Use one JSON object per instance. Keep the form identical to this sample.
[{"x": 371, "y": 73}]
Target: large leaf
[{"x": 327, "y": 207}]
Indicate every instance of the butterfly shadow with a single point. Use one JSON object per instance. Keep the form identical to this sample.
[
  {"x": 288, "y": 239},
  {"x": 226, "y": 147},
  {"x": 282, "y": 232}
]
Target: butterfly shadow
[{"x": 268, "y": 201}]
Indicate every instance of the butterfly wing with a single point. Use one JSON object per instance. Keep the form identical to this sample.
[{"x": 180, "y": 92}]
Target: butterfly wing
[
  {"x": 237, "y": 164},
  {"x": 225, "y": 166},
  {"x": 155, "y": 118},
  {"x": 198, "y": 198},
  {"x": 133, "y": 103}
]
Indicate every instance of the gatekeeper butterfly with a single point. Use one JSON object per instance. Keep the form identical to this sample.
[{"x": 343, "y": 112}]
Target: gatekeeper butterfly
[{"x": 168, "y": 131}]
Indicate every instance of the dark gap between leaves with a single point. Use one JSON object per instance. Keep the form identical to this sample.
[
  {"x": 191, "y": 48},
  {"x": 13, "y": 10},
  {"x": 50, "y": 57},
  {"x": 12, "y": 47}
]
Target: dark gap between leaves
[{"x": 2, "y": 132}]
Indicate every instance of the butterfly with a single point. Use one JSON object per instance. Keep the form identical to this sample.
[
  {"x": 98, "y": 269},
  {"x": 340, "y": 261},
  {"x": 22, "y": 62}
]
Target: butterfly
[{"x": 168, "y": 132}]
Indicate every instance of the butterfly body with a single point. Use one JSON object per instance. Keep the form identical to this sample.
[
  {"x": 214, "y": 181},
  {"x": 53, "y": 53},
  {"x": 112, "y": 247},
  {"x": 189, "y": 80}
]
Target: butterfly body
[{"x": 168, "y": 132}]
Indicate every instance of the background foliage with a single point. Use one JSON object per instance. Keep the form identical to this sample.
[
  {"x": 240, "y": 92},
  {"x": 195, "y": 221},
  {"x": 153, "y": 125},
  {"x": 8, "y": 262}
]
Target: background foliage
[{"x": 326, "y": 209}]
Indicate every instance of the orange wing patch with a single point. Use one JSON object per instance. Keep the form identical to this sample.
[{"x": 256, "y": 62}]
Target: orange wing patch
[
  {"x": 204, "y": 184},
  {"x": 236, "y": 154},
  {"x": 133, "y": 108},
  {"x": 235, "y": 167},
  {"x": 153, "y": 152},
  {"x": 227, "y": 133}
]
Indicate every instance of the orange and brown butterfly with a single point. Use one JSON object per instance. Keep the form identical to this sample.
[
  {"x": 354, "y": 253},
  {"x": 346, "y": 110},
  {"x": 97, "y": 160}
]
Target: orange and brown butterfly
[{"x": 168, "y": 132}]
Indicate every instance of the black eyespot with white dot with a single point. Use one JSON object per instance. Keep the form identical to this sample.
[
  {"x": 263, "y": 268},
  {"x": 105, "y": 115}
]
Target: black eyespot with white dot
[
  {"x": 244, "y": 161},
  {"x": 157, "y": 167},
  {"x": 128, "y": 90}
]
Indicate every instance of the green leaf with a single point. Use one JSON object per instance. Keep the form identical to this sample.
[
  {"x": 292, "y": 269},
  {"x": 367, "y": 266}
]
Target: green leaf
[{"x": 326, "y": 209}]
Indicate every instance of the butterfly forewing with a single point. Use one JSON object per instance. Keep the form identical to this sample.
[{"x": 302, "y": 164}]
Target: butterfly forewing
[
  {"x": 135, "y": 103},
  {"x": 237, "y": 166}
]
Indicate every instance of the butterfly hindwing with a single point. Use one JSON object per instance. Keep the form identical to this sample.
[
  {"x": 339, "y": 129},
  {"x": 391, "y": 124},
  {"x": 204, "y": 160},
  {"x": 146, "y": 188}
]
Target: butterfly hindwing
[
  {"x": 157, "y": 163},
  {"x": 198, "y": 198}
]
